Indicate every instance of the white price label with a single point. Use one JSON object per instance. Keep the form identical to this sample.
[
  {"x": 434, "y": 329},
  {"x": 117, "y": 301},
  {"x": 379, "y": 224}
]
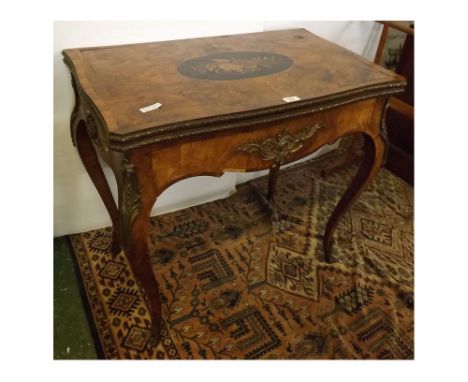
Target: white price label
[
  {"x": 291, "y": 99},
  {"x": 148, "y": 108}
]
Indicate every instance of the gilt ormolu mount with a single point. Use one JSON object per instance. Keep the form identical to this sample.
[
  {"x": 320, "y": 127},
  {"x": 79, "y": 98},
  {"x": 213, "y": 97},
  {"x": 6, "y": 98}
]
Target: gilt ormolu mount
[
  {"x": 280, "y": 148},
  {"x": 222, "y": 110}
]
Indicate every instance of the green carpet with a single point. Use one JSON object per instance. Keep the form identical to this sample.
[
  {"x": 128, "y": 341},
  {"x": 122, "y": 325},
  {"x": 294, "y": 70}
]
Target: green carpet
[{"x": 72, "y": 334}]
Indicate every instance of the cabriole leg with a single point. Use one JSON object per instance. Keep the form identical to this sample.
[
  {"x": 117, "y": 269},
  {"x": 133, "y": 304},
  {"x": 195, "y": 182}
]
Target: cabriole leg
[
  {"x": 272, "y": 180},
  {"x": 374, "y": 153},
  {"x": 135, "y": 203},
  {"x": 90, "y": 160}
]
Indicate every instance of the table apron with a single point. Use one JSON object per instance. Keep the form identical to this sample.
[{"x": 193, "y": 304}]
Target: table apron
[{"x": 260, "y": 147}]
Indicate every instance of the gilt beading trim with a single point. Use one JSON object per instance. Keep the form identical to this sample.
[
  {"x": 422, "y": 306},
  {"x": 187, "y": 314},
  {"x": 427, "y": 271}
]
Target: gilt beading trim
[
  {"x": 384, "y": 130},
  {"x": 188, "y": 129}
]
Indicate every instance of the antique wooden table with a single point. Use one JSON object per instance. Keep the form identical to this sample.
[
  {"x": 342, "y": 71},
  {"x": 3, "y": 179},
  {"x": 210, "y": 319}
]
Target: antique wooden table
[{"x": 161, "y": 112}]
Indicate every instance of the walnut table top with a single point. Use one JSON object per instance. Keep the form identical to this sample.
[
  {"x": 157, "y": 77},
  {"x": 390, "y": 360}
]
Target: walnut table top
[{"x": 208, "y": 81}]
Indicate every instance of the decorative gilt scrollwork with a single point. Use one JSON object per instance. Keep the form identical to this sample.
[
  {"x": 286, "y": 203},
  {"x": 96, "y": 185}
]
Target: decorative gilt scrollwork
[
  {"x": 280, "y": 148},
  {"x": 82, "y": 111},
  {"x": 131, "y": 203},
  {"x": 91, "y": 126}
]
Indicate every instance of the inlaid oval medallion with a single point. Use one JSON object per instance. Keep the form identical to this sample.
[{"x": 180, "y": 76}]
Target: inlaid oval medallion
[{"x": 235, "y": 65}]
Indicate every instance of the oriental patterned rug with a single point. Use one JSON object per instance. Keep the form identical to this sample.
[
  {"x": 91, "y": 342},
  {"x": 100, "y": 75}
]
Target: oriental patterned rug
[{"x": 239, "y": 281}]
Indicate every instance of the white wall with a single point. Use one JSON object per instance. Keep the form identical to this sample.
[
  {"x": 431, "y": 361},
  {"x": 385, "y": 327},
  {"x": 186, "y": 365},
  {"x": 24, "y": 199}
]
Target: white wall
[{"x": 77, "y": 206}]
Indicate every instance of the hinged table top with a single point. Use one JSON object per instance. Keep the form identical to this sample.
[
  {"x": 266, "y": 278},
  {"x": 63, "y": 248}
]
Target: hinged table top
[{"x": 218, "y": 80}]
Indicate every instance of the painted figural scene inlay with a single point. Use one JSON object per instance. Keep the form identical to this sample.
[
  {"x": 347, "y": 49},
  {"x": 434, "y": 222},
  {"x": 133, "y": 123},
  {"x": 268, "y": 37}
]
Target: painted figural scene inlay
[{"x": 235, "y": 65}]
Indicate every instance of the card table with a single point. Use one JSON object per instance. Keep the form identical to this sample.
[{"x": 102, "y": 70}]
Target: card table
[{"x": 160, "y": 112}]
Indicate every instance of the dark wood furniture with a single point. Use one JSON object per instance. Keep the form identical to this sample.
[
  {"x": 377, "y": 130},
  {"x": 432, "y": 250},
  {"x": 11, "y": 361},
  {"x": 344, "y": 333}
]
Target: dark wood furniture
[
  {"x": 223, "y": 106},
  {"x": 400, "y": 115}
]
